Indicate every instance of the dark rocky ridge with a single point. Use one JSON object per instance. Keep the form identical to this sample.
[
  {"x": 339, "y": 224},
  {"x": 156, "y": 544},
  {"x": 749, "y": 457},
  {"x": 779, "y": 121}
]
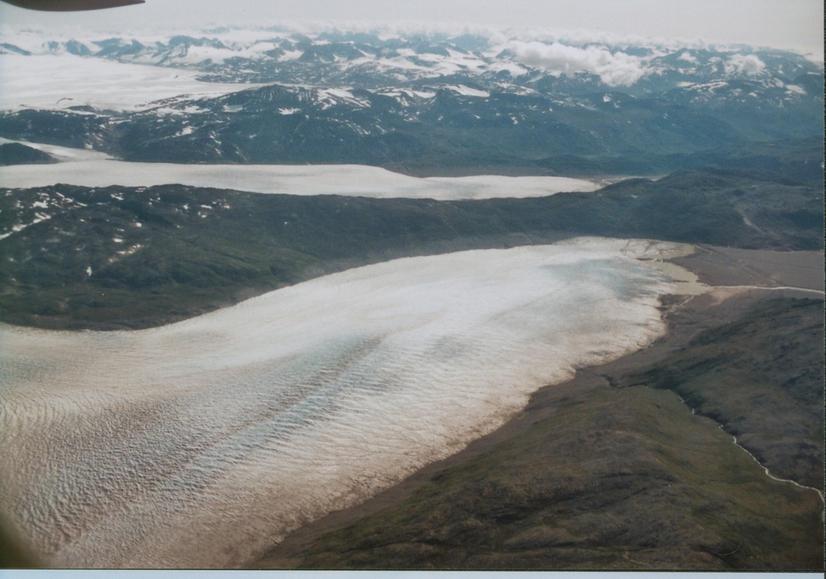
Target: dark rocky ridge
[{"x": 19, "y": 154}]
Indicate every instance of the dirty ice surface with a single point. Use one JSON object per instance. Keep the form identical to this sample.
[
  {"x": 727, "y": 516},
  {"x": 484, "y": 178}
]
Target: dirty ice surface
[{"x": 202, "y": 442}]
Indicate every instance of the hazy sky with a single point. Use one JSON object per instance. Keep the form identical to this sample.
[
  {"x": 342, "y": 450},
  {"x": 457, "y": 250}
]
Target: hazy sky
[{"x": 796, "y": 24}]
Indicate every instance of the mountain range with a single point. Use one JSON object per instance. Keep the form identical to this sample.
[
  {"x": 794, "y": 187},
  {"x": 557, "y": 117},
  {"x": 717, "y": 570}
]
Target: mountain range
[{"x": 431, "y": 103}]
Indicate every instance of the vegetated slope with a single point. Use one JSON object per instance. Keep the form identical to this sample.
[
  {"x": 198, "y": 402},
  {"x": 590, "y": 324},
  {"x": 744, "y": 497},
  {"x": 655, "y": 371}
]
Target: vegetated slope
[
  {"x": 761, "y": 377},
  {"x": 789, "y": 161},
  {"x": 134, "y": 257},
  {"x": 595, "y": 476},
  {"x": 19, "y": 154}
]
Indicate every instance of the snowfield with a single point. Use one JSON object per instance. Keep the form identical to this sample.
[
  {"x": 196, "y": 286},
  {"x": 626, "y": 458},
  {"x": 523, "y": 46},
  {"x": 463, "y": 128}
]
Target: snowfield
[
  {"x": 200, "y": 443},
  {"x": 92, "y": 169},
  {"x": 61, "y": 81}
]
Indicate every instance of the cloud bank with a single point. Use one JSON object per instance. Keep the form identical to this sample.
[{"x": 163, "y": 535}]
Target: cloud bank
[
  {"x": 613, "y": 68},
  {"x": 744, "y": 64}
]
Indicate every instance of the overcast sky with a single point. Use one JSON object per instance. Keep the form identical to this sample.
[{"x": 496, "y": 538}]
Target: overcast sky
[{"x": 795, "y": 24}]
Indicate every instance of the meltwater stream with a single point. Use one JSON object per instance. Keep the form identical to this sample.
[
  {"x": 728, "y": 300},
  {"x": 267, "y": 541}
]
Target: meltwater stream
[{"x": 200, "y": 443}]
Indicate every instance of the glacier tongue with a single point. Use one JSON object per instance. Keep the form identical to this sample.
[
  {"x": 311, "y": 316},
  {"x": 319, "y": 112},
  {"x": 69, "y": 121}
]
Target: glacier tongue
[{"x": 199, "y": 443}]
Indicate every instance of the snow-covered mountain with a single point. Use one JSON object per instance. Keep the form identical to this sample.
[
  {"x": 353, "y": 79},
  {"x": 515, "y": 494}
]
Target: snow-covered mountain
[
  {"x": 373, "y": 59},
  {"x": 403, "y": 99}
]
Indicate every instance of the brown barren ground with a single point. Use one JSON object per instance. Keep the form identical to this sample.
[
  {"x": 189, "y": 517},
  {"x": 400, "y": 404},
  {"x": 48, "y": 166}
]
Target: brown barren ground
[{"x": 716, "y": 265}]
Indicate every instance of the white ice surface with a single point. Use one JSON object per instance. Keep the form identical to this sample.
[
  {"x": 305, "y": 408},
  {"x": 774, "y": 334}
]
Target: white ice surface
[
  {"x": 65, "y": 80},
  {"x": 203, "y": 442},
  {"x": 91, "y": 169}
]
